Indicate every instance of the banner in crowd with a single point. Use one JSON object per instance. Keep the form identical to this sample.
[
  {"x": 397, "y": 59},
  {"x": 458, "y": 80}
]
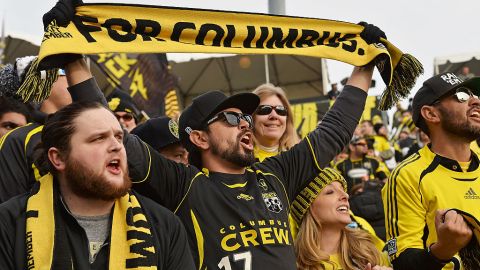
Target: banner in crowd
[
  {"x": 103, "y": 28},
  {"x": 306, "y": 116},
  {"x": 144, "y": 76}
]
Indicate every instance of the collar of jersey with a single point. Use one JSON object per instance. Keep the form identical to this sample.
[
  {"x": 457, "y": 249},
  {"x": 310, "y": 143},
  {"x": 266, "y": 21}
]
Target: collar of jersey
[
  {"x": 227, "y": 179},
  {"x": 450, "y": 163}
]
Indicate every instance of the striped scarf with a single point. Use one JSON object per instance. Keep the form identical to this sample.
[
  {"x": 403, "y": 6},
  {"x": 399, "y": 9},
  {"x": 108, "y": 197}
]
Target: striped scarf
[
  {"x": 103, "y": 28},
  {"x": 470, "y": 254},
  {"x": 131, "y": 244}
]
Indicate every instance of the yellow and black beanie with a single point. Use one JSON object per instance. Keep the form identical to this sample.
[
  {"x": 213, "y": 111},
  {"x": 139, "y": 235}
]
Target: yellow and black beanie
[{"x": 306, "y": 197}]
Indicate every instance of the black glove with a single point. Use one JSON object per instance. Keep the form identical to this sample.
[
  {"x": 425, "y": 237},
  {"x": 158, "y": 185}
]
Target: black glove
[
  {"x": 62, "y": 12},
  {"x": 371, "y": 33},
  {"x": 58, "y": 60}
]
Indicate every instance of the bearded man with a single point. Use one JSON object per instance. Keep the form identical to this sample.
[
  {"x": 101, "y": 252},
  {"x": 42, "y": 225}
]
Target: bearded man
[
  {"x": 82, "y": 214},
  {"x": 236, "y": 212},
  {"x": 444, "y": 174}
]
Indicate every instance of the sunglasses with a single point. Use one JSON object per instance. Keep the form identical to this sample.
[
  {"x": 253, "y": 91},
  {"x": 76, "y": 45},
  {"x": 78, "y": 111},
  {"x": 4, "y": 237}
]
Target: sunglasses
[
  {"x": 232, "y": 118},
  {"x": 125, "y": 117},
  {"x": 360, "y": 144},
  {"x": 462, "y": 94},
  {"x": 267, "y": 109}
]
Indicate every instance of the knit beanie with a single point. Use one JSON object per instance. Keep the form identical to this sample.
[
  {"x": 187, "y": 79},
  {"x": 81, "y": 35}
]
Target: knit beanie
[{"x": 305, "y": 198}]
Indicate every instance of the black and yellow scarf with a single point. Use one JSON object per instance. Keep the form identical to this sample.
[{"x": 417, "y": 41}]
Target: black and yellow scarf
[
  {"x": 470, "y": 254},
  {"x": 131, "y": 241},
  {"x": 104, "y": 28}
]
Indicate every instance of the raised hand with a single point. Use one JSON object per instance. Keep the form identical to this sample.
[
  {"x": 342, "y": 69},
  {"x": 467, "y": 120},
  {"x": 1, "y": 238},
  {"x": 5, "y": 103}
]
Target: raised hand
[
  {"x": 62, "y": 12},
  {"x": 453, "y": 233},
  {"x": 371, "y": 33}
]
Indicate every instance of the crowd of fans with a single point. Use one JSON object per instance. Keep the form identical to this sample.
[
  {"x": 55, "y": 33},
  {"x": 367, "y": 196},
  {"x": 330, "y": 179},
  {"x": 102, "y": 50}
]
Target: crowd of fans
[{"x": 247, "y": 191}]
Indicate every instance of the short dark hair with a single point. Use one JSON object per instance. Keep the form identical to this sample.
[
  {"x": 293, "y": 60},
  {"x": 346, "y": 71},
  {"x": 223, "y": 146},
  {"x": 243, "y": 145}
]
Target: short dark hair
[
  {"x": 11, "y": 105},
  {"x": 58, "y": 130}
]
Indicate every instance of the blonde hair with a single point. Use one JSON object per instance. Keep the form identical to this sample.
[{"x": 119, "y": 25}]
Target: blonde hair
[
  {"x": 289, "y": 137},
  {"x": 355, "y": 249}
]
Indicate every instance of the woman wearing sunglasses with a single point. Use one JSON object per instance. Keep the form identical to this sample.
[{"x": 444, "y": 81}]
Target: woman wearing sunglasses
[
  {"x": 273, "y": 123},
  {"x": 275, "y": 132}
]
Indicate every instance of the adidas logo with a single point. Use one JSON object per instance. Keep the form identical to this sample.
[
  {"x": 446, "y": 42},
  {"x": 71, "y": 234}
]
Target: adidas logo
[{"x": 471, "y": 194}]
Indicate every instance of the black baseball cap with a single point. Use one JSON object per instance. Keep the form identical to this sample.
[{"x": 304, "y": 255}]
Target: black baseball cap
[
  {"x": 437, "y": 87},
  {"x": 204, "y": 107},
  {"x": 158, "y": 132},
  {"x": 120, "y": 101}
]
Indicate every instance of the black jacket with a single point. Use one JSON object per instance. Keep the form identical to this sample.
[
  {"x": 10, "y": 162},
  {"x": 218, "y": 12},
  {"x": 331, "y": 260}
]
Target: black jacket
[
  {"x": 369, "y": 205},
  {"x": 170, "y": 239}
]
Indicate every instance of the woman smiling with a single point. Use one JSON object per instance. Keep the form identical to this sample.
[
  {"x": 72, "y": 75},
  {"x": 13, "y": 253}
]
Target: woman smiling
[
  {"x": 324, "y": 240},
  {"x": 273, "y": 122}
]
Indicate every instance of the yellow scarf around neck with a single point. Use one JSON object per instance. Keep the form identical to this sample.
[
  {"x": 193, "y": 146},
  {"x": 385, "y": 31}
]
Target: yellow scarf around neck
[
  {"x": 131, "y": 242},
  {"x": 104, "y": 28}
]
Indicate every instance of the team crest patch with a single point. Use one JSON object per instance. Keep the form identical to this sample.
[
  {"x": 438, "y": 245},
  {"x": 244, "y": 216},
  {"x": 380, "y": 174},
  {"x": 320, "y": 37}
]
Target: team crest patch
[
  {"x": 272, "y": 202},
  {"x": 391, "y": 246},
  {"x": 173, "y": 127},
  {"x": 262, "y": 184}
]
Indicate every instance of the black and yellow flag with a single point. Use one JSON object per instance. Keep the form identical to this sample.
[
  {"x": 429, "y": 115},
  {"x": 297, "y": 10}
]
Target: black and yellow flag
[
  {"x": 103, "y": 28},
  {"x": 307, "y": 115},
  {"x": 172, "y": 109},
  {"x": 144, "y": 76}
]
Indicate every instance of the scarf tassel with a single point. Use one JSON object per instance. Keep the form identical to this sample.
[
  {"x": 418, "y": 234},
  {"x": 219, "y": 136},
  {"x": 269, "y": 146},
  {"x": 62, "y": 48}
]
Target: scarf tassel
[
  {"x": 470, "y": 255},
  {"x": 37, "y": 84},
  {"x": 405, "y": 75}
]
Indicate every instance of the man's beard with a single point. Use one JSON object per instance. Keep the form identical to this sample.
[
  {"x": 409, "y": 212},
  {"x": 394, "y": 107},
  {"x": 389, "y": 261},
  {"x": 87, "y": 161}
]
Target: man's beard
[
  {"x": 234, "y": 153},
  {"x": 452, "y": 125},
  {"x": 85, "y": 183}
]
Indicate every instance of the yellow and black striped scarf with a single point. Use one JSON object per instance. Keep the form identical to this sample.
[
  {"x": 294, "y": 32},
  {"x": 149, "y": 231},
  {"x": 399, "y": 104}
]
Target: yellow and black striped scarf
[
  {"x": 104, "y": 28},
  {"x": 470, "y": 254},
  {"x": 131, "y": 241}
]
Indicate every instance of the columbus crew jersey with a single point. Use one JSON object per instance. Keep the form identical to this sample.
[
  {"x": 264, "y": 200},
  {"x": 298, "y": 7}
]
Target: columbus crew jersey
[
  {"x": 237, "y": 222},
  {"x": 17, "y": 169},
  {"x": 376, "y": 169},
  {"x": 420, "y": 185}
]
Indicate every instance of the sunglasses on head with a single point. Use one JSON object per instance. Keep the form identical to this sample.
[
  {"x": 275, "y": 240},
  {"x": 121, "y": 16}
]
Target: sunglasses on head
[
  {"x": 462, "y": 94},
  {"x": 232, "y": 118},
  {"x": 267, "y": 109},
  {"x": 125, "y": 117}
]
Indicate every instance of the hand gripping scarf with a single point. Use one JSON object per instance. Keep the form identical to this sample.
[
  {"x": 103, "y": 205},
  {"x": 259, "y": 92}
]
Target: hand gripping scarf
[
  {"x": 104, "y": 28},
  {"x": 131, "y": 242},
  {"x": 470, "y": 254}
]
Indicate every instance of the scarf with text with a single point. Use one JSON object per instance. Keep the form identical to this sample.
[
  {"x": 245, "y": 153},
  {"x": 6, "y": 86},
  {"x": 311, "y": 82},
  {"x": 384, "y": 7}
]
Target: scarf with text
[
  {"x": 131, "y": 241},
  {"x": 125, "y": 28}
]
